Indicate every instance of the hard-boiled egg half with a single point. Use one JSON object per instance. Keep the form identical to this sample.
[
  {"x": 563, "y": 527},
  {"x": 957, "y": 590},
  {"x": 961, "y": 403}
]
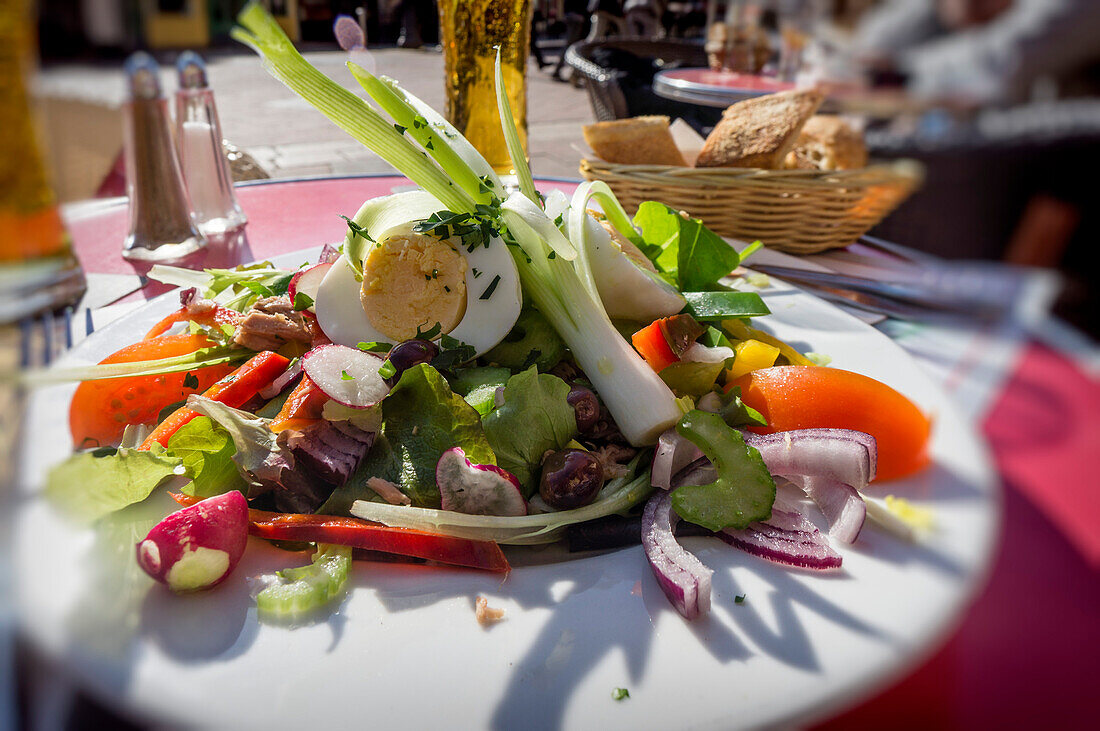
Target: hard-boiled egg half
[{"x": 412, "y": 280}]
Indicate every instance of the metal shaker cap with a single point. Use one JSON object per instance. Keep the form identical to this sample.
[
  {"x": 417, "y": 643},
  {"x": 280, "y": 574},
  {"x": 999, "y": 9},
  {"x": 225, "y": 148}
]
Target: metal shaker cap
[
  {"x": 192, "y": 71},
  {"x": 143, "y": 76}
]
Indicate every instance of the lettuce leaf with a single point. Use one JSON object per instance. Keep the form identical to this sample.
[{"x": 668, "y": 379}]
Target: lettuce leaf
[
  {"x": 689, "y": 253},
  {"x": 421, "y": 419},
  {"x": 535, "y": 417},
  {"x": 90, "y": 485},
  {"x": 207, "y": 452}
]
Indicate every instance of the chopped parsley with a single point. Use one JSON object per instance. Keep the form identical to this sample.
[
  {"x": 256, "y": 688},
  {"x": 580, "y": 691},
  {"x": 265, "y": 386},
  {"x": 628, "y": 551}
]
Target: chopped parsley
[
  {"x": 345, "y": 376},
  {"x": 620, "y": 694},
  {"x": 400, "y": 129},
  {"x": 374, "y": 347},
  {"x": 190, "y": 380},
  {"x": 452, "y": 352},
  {"x": 430, "y": 333},
  {"x": 739, "y": 599},
  {"x": 491, "y": 288},
  {"x": 388, "y": 370},
  {"x": 357, "y": 229}
]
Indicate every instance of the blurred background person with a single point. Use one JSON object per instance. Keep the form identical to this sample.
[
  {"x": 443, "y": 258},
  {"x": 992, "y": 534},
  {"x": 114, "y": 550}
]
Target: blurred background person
[{"x": 984, "y": 51}]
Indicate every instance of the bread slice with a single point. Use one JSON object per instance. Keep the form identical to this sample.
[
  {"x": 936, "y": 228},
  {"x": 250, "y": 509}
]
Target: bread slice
[
  {"x": 827, "y": 142},
  {"x": 759, "y": 132},
  {"x": 635, "y": 141}
]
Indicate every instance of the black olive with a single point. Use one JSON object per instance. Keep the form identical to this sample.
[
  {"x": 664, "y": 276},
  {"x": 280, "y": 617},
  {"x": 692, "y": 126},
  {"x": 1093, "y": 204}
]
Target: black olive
[
  {"x": 570, "y": 479},
  {"x": 586, "y": 408},
  {"x": 409, "y": 353}
]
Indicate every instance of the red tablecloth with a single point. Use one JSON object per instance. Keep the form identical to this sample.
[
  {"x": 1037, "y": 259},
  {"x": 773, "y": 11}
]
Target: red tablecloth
[{"x": 1026, "y": 652}]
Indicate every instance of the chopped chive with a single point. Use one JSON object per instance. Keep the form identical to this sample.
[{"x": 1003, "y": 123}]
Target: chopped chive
[
  {"x": 388, "y": 370},
  {"x": 620, "y": 694},
  {"x": 739, "y": 599},
  {"x": 491, "y": 288},
  {"x": 344, "y": 376},
  {"x": 190, "y": 381}
]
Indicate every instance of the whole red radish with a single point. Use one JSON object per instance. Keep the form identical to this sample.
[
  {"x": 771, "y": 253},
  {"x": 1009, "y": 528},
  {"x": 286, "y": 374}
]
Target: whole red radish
[{"x": 197, "y": 547}]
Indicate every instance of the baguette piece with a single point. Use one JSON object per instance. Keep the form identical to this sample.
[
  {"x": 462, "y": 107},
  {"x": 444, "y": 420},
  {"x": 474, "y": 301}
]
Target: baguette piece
[
  {"x": 827, "y": 142},
  {"x": 759, "y": 132},
  {"x": 635, "y": 141}
]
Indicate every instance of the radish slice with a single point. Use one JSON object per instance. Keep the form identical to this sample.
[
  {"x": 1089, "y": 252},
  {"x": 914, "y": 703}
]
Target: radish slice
[
  {"x": 308, "y": 281},
  {"x": 682, "y": 577},
  {"x": 477, "y": 489},
  {"x": 346, "y": 375}
]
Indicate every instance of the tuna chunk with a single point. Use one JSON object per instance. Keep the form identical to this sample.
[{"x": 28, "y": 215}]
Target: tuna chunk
[{"x": 271, "y": 323}]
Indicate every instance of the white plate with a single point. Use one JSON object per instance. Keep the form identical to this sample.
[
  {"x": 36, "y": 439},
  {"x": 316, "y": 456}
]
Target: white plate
[{"x": 404, "y": 650}]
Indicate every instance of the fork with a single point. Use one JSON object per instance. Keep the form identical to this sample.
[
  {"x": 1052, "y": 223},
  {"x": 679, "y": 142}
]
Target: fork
[{"x": 45, "y": 337}]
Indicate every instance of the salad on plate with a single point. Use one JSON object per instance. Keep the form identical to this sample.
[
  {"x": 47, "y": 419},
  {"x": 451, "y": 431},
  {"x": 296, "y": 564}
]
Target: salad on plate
[{"x": 476, "y": 366}]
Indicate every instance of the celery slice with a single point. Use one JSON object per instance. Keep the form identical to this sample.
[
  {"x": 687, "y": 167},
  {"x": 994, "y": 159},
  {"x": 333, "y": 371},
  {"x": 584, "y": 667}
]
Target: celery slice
[{"x": 300, "y": 591}]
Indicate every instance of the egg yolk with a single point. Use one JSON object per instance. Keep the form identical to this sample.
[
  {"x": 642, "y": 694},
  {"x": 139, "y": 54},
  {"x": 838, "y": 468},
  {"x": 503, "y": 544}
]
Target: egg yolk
[{"x": 411, "y": 282}]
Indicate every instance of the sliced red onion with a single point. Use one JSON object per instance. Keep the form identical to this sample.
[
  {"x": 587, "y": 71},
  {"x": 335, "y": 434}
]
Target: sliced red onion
[
  {"x": 329, "y": 254},
  {"x": 786, "y": 538},
  {"x": 682, "y": 577},
  {"x": 672, "y": 455},
  {"x": 841, "y": 504},
  {"x": 276, "y": 387},
  {"x": 842, "y": 455}
]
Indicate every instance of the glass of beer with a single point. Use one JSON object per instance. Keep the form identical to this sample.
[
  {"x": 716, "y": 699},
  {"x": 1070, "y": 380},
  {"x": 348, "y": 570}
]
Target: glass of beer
[
  {"x": 37, "y": 266},
  {"x": 470, "y": 30}
]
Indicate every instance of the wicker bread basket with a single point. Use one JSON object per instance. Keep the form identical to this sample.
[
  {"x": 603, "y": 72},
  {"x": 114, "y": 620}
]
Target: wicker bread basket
[{"x": 797, "y": 211}]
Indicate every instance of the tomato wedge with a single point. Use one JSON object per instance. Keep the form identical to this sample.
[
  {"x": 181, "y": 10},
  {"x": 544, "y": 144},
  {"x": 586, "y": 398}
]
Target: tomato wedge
[
  {"x": 233, "y": 390},
  {"x": 806, "y": 397},
  {"x": 485, "y": 555},
  {"x": 101, "y": 409}
]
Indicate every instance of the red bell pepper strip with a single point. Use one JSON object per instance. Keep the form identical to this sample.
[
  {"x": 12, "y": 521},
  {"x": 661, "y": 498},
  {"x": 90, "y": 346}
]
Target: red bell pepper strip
[
  {"x": 651, "y": 344},
  {"x": 304, "y": 406},
  {"x": 233, "y": 390},
  {"x": 346, "y": 531},
  {"x": 218, "y": 316}
]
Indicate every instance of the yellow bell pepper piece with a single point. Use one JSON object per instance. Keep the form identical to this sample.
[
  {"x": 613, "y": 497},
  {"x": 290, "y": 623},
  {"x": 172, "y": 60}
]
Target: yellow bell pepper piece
[
  {"x": 752, "y": 355},
  {"x": 738, "y": 330}
]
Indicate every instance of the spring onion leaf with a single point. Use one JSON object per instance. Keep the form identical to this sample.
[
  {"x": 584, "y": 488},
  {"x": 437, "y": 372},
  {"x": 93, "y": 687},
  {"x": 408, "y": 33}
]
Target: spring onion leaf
[{"x": 511, "y": 137}]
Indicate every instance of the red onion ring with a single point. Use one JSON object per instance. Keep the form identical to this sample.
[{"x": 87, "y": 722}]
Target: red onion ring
[
  {"x": 842, "y": 455},
  {"x": 673, "y": 454},
  {"x": 841, "y": 504},
  {"x": 276, "y": 387},
  {"x": 682, "y": 577},
  {"x": 786, "y": 538}
]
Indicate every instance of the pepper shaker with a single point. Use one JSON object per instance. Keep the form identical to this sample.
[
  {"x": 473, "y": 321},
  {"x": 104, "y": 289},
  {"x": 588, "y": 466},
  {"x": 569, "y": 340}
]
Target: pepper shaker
[
  {"x": 205, "y": 168},
  {"x": 161, "y": 224}
]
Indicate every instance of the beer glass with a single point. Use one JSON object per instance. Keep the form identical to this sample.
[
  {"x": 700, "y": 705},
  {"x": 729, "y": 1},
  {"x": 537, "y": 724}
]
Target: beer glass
[
  {"x": 37, "y": 266},
  {"x": 469, "y": 31}
]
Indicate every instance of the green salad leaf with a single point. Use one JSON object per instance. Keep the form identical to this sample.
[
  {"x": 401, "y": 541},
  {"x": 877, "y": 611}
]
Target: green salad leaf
[
  {"x": 744, "y": 491},
  {"x": 207, "y": 452},
  {"x": 692, "y": 255},
  {"x": 535, "y": 417},
  {"x": 90, "y": 485},
  {"x": 479, "y": 385},
  {"x": 724, "y": 305},
  {"x": 421, "y": 419}
]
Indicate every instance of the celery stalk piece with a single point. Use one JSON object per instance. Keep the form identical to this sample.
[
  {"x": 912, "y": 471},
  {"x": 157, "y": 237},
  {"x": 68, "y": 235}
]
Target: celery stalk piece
[
  {"x": 199, "y": 359},
  {"x": 617, "y": 496},
  {"x": 297, "y": 592},
  {"x": 511, "y": 137},
  {"x": 641, "y": 403},
  {"x": 435, "y": 139},
  {"x": 347, "y": 111}
]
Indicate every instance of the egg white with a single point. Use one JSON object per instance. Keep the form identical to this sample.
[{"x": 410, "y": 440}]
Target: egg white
[{"x": 486, "y": 321}]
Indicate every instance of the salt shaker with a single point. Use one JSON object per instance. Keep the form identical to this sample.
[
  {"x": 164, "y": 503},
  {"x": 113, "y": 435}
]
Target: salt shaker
[
  {"x": 161, "y": 226},
  {"x": 205, "y": 169}
]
